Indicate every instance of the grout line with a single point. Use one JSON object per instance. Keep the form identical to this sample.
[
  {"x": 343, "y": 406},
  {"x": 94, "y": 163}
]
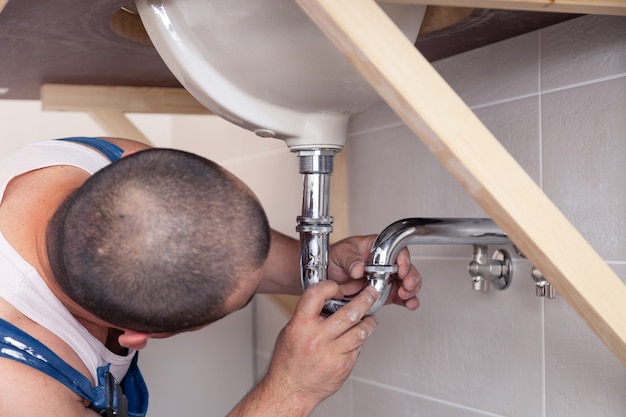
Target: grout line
[
  {"x": 544, "y": 394},
  {"x": 504, "y": 101},
  {"x": 381, "y": 127},
  {"x": 585, "y": 83},
  {"x": 552, "y": 90},
  {"x": 425, "y": 397}
]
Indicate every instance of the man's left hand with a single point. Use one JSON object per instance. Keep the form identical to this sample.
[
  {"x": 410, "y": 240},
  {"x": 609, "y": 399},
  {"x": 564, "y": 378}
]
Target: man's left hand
[{"x": 346, "y": 266}]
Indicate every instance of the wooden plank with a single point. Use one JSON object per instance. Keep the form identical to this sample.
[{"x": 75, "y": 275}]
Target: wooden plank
[
  {"x": 66, "y": 97},
  {"x": 116, "y": 124},
  {"x": 607, "y": 7},
  {"x": 438, "y": 117},
  {"x": 338, "y": 204},
  {"x": 286, "y": 303}
]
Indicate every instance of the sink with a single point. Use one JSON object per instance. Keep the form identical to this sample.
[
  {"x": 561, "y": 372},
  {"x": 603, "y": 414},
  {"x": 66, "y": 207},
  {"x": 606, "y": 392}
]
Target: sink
[{"x": 264, "y": 65}]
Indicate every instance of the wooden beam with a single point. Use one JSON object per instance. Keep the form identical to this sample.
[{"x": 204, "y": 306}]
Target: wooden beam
[
  {"x": 66, "y": 97},
  {"x": 420, "y": 96},
  {"x": 116, "y": 124},
  {"x": 338, "y": 199},
  {"x": 607, "y": 7},
  {"x": 107, "y": 105}
]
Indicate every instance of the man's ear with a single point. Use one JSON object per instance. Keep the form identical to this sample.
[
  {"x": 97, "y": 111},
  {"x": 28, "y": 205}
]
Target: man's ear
[{"x": 133, "y": 340}]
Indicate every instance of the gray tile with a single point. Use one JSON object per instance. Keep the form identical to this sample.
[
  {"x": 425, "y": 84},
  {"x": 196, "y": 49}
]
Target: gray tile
[
  {"x": 583, "y": 49},
  {"x": 583, "y": 378},
  {"x": 393, "y": 175},
  {"x": 584, "y": 166},
  {"x": 379, "y": 117},
  {"x": 497, "y": 72},
  {"x": 338, "y": 404},
  {"x": 208, "y": 369},
  {"x": 421, "y": 186},
  {"x": 269, "y": 321},
  {"x": 516, "y": 126},
  {"x": 480, "y": 350},
  {"x": 376, "y": 401}
]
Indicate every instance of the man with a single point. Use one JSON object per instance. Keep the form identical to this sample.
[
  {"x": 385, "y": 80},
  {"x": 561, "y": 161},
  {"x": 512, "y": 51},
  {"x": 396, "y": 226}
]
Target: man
[{"x": 98, "y": 257}]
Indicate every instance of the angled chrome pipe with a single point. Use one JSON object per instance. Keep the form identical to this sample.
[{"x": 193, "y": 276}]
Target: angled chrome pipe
[{"x": 381, "y": 266}]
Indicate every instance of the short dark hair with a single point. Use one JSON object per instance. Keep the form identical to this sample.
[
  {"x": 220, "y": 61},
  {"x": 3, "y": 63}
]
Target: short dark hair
[{"x": 157, "y": 241}]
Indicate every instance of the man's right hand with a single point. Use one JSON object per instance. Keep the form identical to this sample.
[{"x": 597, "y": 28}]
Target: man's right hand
[{"x": 314, "y": 355}]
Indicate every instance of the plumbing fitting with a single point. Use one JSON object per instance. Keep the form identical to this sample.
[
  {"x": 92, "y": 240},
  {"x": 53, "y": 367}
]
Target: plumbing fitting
[
  {"x": 542, "y": 287},
  {"x": 314, "y": 225},
  {"x": 381, "y": 266},
  {"x": 497, "y": 270}
]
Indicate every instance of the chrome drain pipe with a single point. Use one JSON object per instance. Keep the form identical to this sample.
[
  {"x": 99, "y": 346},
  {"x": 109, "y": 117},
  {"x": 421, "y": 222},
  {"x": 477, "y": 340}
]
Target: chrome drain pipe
[{"x": 315, "y": 224}]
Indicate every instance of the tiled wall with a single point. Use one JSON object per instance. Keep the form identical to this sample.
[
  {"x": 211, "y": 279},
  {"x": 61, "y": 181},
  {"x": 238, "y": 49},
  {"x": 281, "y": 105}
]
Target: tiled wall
[{"x": 556, "y": 99}]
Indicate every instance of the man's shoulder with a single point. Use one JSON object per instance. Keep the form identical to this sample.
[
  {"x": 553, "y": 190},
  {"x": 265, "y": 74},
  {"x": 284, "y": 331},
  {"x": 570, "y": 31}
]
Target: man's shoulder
[
  {"x": 24, "y": 387},
  {"x": 44, "y": 336},
  {"x": 25, "y": 391}
]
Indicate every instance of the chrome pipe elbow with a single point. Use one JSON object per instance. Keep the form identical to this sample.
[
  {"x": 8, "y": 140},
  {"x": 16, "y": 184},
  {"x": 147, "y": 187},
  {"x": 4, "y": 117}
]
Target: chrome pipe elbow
[{"x": 381, "y": 269}]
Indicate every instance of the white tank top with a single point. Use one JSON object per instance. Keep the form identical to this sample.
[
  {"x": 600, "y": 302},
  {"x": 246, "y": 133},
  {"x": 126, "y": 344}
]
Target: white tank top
[{"x": 20, "y": 283}]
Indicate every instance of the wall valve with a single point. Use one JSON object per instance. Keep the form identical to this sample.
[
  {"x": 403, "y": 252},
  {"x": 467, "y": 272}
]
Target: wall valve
[
  {"x": 484, "y": 271},
  {"x": 542, "y": 287}
]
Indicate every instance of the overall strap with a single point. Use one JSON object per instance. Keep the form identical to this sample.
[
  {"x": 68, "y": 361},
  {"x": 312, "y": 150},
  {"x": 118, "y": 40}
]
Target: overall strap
[
  {"x": 20, "y": 346},
  {"x": 110, "y": 150},
  {"x": 106, "y": 398}
]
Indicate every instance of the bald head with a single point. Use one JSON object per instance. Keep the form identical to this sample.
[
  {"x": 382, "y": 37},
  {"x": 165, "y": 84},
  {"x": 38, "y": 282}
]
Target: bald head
[{"x": 158, "y": 241}]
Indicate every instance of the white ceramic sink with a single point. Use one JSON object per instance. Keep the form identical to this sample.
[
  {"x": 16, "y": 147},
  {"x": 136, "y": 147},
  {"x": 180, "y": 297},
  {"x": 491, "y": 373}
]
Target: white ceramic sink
[{"x": 263, "y": 65}]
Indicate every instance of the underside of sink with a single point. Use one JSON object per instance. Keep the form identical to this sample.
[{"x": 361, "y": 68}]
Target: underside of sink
[{"x": 264, "y": 65}]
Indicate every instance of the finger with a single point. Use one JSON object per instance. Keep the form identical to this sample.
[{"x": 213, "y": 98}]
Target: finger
[
  {"x": 350, "y": 254},
  {"x": 404, "y": 292},
  {"x": 412, "y": 303},
  {"x": 353, "y": 339},
  {"x": 407, "y": 299},
  {"x": 352, "y": 313},
  {"x": 313, "y": 298},
  {"x": 403, "y": 260},
  {"x": 410, "y": 284}
]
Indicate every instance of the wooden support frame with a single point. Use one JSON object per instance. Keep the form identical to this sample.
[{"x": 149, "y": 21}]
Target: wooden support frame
[
  {"x": 107, "y": 105},
  {"x": 418, "y": 94},
  {"x": 607, "y": 7}
]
